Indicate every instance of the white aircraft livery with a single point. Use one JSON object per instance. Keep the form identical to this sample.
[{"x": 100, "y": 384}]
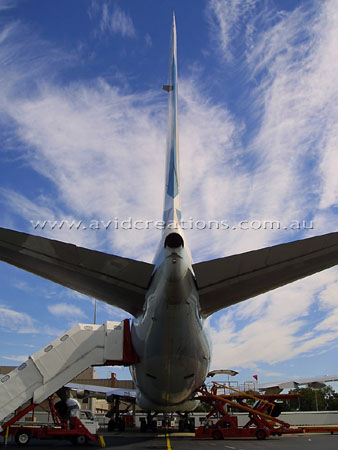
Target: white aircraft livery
[{"x": 171, "y": 298}]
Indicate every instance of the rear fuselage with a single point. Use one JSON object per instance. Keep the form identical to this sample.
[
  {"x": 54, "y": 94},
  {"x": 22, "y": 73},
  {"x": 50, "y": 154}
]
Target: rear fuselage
[{"x": 169, "y": 338}]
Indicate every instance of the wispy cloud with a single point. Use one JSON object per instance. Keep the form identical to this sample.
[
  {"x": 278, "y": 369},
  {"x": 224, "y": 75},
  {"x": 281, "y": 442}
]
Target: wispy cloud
[
  {"x": 7, "y": 4},
  {"x": 103, "y": 151},
  {"x": 284, "y": 315},
  {"x": 14, "y": 320},
  {"x": 44, "y": 209},
  {"x": 66, "y": 310},
  {"x": 111, "y": 312},
  {"x": 226, "y": 20},
  {"x": 41, "y": 291},
  {"x": 112, "y": 19},
  {"x": 148, "y": 40},
  {"x": 17, "y": 358},
  {"x": 295, "y": 104},
  {"x": 22, "y": 323}
]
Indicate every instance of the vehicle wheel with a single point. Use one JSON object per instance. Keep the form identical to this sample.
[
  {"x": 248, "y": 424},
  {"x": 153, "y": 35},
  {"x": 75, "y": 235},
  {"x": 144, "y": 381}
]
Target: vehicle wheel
[
  {"x": 121, "y": 425},
  {"x": 22, "y": 437},
  {"x": 217, "y": 435},
  {"x": 165, "y": 423},
  {"x": 260, "y": 434},
  {"x": 111, "y": 425},
  {"x": 181, "y": 425},
  {"x": 143, "y": 426},
  {"x": 79, "y": 440}
]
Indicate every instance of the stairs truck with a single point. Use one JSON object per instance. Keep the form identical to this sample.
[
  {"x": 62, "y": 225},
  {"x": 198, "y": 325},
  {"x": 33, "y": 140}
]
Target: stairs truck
[{"x": 51, "y": 368}]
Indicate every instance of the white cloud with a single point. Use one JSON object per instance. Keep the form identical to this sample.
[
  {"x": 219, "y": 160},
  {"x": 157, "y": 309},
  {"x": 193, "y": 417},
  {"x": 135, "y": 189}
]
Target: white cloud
[
  {"x": 299, "y": 101},
  {"x": 103, "y": 150},
  {"x": 112, "y": 19},
  {"x": 79, "y": 137},
  {"x": 291, "y": 62},
  {"x": 276, "y": 331},
  {"x": 22, "y": 323},
  {"x": 73, "y": 294},
  {"x": 11, "y": 320},
  {"x": 46, "y": 292},
  {"x": 58, "y": 224},
  {"x": 111, "y": 312},
  {"x": 148, "y": 40},
  {"x": 18, "y": 358},
  {"x": 329, "y": 296},
  {"x": 225, "y": 18},
  {"x": 7, "y": 4},
  {"x": 66, "y": 310},
  {"x": 82, "y": 142},
  {"x": 119, "y": 22}
]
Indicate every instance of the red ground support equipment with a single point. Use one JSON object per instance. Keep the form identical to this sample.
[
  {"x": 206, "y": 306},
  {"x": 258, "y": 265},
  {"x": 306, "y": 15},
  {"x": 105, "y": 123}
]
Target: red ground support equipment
[
  {"x": 72, "y": 430},
  {"x": 261, "y": 423}
]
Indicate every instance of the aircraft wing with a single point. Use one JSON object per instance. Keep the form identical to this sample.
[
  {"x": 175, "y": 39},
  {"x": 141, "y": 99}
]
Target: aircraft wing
[
  {"x": 108, "y": 393},
  {"x": 121, "y": 282},
  {"x": 225, "y": 281},
  {"x": 315, "y": 383}
]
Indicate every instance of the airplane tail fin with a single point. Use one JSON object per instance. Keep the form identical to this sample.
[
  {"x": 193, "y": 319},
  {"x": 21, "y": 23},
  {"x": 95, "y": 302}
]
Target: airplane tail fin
[{"x": 172, "y": 208}]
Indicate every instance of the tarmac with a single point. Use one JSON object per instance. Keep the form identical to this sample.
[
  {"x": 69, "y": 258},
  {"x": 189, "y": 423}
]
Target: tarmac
[{"x": 183, "y": 441}]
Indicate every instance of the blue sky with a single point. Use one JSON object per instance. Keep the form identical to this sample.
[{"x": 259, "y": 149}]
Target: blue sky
[{"x": 83, "y": 130}]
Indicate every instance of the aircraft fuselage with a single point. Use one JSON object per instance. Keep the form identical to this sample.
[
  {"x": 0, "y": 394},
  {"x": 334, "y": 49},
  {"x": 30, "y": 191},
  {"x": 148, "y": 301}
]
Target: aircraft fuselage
[{"x": 169, "y": 339}]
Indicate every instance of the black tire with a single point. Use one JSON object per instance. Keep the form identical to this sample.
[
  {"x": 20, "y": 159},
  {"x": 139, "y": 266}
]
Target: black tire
[
  {"x": 111, "y": 425},
  {"x": 217, "y": 435},
  {"x": 81, "y": 439},
  {"x": 121, "y": 425},
  {"x": 62, "y": 409},
  {"x": 143, "y": 428},
  {"x": 260, "y": 434},
  {"x": 154, "y": 426},
  {"x": 181, "y": 426},
  {"x": 22, "y": 437}
]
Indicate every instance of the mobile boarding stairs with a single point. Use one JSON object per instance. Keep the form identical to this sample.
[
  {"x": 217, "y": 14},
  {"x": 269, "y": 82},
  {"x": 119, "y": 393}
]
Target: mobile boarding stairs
[{"x": 55, "y": 365}]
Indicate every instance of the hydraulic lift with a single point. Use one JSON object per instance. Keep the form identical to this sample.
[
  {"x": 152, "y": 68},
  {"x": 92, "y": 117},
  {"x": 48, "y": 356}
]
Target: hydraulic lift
[
  {"x": 72, "y": 428},
  {"x": 262, "y": 423}
]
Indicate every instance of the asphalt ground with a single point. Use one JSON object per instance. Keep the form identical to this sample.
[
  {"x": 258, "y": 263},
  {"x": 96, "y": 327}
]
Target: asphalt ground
[{"x": 134, "y": 440}]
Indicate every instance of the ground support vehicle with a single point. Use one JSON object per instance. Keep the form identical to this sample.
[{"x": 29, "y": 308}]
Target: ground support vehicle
[
  {"x": 262, "y": 422},
  {"x": 75, "y": 430}
]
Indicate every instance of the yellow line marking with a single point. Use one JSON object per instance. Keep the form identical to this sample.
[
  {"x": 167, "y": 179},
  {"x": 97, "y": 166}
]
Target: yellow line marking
[{"x": 168, "y": 441}]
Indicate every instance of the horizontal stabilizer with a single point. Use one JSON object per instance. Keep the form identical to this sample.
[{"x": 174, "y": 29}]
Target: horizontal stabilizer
[
  {"x": 314, "y": 382},
  {"x": 121, "y": 282},
  {"x": 108, "y": 393},
  {"x": 225, "y": 281}
]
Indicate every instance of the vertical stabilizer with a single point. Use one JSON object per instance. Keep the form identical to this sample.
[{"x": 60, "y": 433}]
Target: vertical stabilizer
[{"x": 172, "y": 208}]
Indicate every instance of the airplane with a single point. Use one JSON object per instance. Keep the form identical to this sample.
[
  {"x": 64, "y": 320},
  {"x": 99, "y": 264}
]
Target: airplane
[{"x": 171, "y": 298}]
